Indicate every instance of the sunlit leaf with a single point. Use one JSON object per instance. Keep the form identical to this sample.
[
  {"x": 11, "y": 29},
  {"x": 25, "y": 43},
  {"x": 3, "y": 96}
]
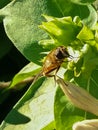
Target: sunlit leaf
[
  {"x": 35, "y": 110},
  {"x": 21, "y": 20},
  {"x": 28, "y": 71}
]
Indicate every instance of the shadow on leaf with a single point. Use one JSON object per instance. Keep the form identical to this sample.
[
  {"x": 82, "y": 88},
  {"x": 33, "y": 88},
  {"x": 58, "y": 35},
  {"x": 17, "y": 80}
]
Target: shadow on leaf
[{"x": 17, "y": 118}]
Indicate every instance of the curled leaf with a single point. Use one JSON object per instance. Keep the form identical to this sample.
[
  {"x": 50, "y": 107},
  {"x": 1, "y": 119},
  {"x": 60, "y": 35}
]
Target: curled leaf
[
  {"x": 79, "y": 97},
  {"x": 86, "y": 125}
]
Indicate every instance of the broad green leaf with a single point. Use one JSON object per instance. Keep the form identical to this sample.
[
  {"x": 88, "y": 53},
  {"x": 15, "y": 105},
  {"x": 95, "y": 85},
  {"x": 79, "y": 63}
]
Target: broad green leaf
[
  {"x": 90, "y": 13},
  {"x": 65, "y": 113},
  {"x": 21, "y": 20},
  {"x": 28, "y": 71},
  {"x": 35, "y": 110},
  {"x": 86, "y": 12}
]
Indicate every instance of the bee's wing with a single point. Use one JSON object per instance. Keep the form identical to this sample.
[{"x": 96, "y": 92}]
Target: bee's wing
[{"x": 37, "y": 76}]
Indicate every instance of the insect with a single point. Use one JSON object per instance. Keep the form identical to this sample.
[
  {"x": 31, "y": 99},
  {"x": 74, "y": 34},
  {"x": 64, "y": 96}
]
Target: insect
[{"x": 53, "y": 61}]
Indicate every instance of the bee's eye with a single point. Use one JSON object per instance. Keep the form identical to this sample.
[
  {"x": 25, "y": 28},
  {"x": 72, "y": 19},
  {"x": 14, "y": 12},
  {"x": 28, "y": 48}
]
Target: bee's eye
[{"x": 61, "y": 53}]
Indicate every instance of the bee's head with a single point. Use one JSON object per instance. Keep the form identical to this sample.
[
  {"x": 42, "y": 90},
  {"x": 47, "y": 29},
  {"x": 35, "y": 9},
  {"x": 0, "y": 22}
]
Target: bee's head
[{"x": 61, "y": 53}]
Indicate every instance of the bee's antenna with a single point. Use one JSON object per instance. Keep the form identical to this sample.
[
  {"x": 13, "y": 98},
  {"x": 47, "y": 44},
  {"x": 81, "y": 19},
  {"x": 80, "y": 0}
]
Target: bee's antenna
[{"x": 71, "y": 57}]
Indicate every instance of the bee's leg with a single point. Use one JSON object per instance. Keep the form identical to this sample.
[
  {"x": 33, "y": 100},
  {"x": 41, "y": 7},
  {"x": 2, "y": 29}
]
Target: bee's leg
[
  {"x": 56, "y": 74},
  {"x": 49, "y": 75}
]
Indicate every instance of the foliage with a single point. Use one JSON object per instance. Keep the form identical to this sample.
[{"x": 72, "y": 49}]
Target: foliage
[{"x": 68, "y": 23}]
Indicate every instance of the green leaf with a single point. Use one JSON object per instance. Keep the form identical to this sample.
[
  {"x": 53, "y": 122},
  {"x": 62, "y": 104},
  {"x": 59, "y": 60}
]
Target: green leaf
[
  {"x": 21, "y": 20},
  {"x": 65, "y": 113},
  {"x": 85, "y": 34},
  {"x": 35, "y": 110},
  {"x": 28, "y": 71},
  {"x": 93, "y": 83},
  {"x": 61, "y": 30},
  {"x": 68, "y": 114},
  {"x": 86, "y": 12},
  {"x": 90, "y": 17},
  {"x": 78, "y": 71}
]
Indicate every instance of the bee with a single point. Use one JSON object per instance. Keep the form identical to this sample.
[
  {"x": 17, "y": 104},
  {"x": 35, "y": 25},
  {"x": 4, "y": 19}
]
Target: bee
[{"x": 53, "y": 61}]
